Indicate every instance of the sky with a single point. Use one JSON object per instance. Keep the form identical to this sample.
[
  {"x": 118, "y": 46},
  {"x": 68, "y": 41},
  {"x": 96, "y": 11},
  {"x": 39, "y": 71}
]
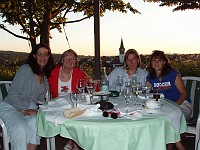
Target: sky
[{"x": 156, "y": 28}]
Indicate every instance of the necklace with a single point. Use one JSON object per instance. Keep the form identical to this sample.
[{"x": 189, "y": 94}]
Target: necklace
[{"x": 63, "y": 73}]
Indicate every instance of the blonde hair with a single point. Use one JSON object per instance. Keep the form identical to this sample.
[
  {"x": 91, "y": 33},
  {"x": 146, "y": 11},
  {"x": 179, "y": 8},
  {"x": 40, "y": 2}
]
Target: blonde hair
[{"x": 134, "y": 52}]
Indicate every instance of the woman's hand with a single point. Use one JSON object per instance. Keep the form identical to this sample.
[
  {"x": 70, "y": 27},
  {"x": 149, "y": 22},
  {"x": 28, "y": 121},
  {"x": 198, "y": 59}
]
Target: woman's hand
[{"x": 29, "y": 112}]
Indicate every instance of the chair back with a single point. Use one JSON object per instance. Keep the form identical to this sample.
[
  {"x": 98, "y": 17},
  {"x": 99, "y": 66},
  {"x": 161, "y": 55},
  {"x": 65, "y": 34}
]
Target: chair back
[
  {"x": 4, "y": 86},
  {"x": 193, "y": 92}
]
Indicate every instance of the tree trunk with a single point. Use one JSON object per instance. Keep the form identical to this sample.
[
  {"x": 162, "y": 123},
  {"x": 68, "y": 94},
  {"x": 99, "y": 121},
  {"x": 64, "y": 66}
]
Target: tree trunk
[
  {"x": 45, "y": 27},
  {"x": 33, "y": 42},
  {"x": 32, "y": 36}
]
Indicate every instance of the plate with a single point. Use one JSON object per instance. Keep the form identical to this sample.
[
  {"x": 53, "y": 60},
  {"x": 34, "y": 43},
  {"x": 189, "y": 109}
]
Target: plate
[
  {"x": 151, "y": 110},
  {"x": 101, "y": 93}
]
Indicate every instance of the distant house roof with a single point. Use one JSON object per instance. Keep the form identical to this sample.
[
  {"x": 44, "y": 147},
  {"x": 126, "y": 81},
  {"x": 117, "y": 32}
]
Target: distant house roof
[
  {"x": 105, "y": 64},
  {"x": 115, "y": 61}
]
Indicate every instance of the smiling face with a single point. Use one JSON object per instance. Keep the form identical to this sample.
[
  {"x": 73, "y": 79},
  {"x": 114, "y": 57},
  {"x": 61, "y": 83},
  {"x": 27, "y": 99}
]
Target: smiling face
[
  {"x": 69, "y": 61},
  {"x": 132, "y": 61},
  {"x": 42, "y": 56},
  {"x": 157, "y": 64}
]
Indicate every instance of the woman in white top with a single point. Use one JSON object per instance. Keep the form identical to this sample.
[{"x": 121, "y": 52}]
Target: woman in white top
[{"x": 130, "y": 69}]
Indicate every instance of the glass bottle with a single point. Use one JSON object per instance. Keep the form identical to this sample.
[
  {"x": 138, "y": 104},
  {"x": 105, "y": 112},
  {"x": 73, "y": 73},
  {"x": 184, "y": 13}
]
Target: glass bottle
[{"x": 105, "y": 85}]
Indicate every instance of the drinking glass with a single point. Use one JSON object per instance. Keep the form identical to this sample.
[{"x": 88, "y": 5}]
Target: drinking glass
[
  {"x": 138, "y": 90},
  {"x": 75, "y": 96},
  {"x": 120, "y": 83},
  {"x": 127, "y": 95},
  {"x": 80, "y": 85},
  {"x": 128, "y": 84},
  {"x": 145, "y": 90},
  {"x": 134, "y": 83},
  {"x": 91, "y": 86}
]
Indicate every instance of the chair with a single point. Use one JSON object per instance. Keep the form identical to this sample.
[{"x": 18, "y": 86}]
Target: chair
[
  {"x": 193, "y": 90},
  {"x": 197, "y": 138},
  {"x": 4, "y": 86}
]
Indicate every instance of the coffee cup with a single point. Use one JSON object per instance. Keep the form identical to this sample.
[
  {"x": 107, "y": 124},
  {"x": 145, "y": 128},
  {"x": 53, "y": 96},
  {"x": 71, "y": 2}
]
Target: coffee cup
[{"x": 152, "y": 104}]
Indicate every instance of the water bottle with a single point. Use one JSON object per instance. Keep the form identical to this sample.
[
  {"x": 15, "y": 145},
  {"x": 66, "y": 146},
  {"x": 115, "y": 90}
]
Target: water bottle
[{"x": 105, "y": 85}]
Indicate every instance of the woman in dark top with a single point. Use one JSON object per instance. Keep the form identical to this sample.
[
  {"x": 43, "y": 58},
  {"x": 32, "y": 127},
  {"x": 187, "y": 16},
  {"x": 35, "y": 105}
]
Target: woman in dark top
[{"x": 164, "y": 79}]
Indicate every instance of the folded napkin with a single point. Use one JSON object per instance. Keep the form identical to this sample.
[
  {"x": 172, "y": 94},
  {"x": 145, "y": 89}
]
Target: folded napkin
[
  {"x": 91, "y": 111},
  {"x": 57, "y": 104},
  {"x": 81, "y": 112}
]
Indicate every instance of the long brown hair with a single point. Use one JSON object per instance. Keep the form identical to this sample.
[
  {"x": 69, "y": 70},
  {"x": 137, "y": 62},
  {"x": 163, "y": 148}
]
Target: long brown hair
[
  {"x": 34, "y": 65},
  {"x": 166, "y": 68}
]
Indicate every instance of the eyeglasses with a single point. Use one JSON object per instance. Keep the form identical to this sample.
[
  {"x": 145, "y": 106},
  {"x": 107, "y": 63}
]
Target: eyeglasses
[
  {"x": 156, "y": 60},
  {"x": 70, "y": 58},
  {"x": 42, "y": 54}
]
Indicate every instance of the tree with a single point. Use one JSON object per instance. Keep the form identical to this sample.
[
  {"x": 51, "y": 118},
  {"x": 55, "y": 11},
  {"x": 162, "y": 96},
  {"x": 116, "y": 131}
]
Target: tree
[
  {"x": 179, "y": 4},
  {"x": 38, "y": 17}
]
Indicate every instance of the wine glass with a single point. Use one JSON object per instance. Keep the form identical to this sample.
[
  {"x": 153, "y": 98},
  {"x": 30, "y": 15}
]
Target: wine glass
[
  {"x": 128, "y": 84},
  {"x": 134, "y": 83},
  {"x": 91, "y": 86},
  {"x": 80, "y": 85},
  {"x": 120, "y": 83},
  {"x": 145, "y": 90},
  {"x": 75, "y": 96},
  {"x": 138, "y": 90},
  {"x": 127, "y": 95}
]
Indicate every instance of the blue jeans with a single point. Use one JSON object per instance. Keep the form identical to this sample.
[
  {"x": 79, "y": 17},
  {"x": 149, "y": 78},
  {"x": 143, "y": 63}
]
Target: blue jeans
[{"x": 21, "y": 129}]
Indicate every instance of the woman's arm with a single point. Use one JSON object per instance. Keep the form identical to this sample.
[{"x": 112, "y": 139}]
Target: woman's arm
[
  {"x": 181, "y": 88},
  {"x": 149, "y": 85},
  {"x": 112, "y": 77}
]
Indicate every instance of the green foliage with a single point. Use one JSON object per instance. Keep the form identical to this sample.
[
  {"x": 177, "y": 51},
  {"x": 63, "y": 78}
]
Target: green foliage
[
  {"x": 186, "y": 68},
  {"x": 38, "y": 17},
  {"x": 8, "y": 73},
  {"x": 179, "y": 4}
]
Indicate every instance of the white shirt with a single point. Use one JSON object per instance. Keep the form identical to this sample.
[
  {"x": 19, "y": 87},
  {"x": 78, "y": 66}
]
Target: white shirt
[{"x": 64, "y": 88}]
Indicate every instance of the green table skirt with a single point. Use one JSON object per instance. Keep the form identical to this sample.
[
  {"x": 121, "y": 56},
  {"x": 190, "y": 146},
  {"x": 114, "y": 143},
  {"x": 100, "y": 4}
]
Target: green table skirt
[{"x": 114, "y": 134}]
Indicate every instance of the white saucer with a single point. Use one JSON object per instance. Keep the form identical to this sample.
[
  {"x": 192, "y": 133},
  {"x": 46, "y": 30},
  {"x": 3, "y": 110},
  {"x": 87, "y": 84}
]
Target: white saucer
[
  {"x": 101, "y": 93},
  {"x": 151, "y": 110}
]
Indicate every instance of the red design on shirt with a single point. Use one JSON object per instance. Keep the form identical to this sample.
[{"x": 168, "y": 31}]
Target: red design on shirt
[{"x": 64, "y": 88}]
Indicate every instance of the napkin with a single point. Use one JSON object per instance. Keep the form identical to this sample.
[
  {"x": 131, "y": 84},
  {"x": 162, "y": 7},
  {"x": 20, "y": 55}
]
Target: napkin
[
  {"x": 57, "y": 104},
  {"x": 92, "y": 111},
  {"x": 81, "y": 112},
  {"x": 134, "y": 115}
]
